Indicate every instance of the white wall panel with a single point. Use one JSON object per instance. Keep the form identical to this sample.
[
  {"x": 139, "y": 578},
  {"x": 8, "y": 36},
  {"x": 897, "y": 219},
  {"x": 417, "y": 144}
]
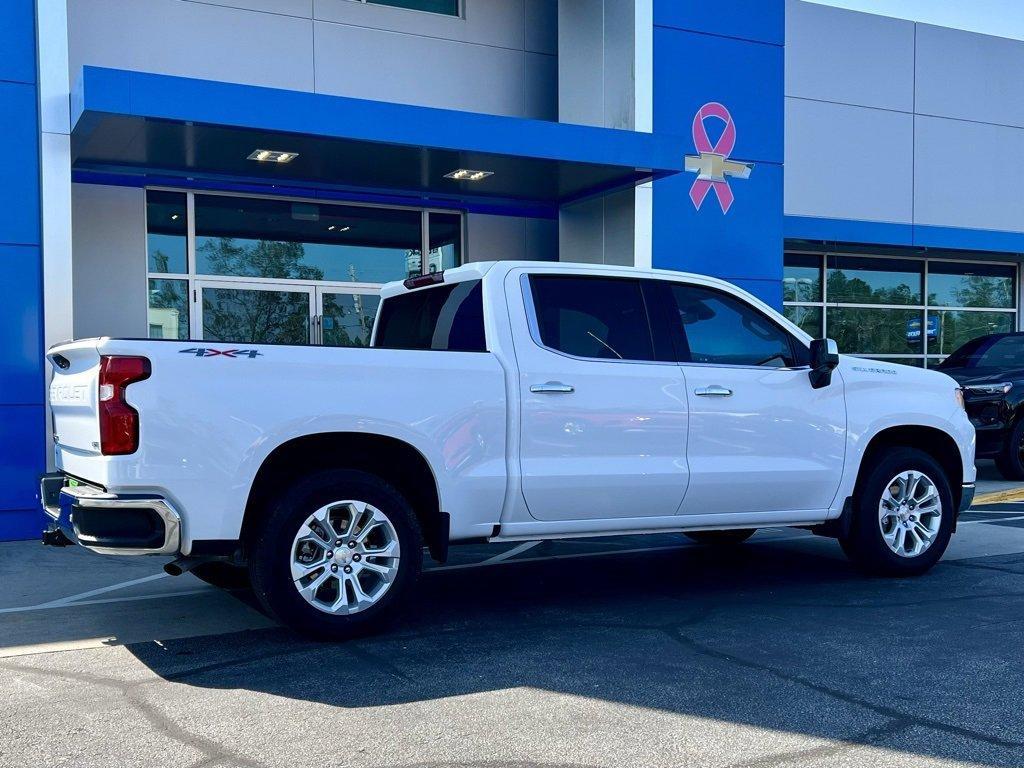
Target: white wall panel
[
  {"x": 486, "y": 22},
  {"x": 854, "y": 58},
  {"x": 969, "y": 175},
  {"x": 192, "y": 40},
  {"x": 392, "y": 66},
  {"x": 109, "y": 269},
  {"x": 848, "y": 162},
  {"x": 503, "y": 238},
  {"x": 300, "y": 8},
  {"x": 969, "y": 76}
]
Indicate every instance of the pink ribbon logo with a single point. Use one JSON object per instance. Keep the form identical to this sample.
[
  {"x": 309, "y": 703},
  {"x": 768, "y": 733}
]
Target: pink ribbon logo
[{"x": 712, "y": 164}]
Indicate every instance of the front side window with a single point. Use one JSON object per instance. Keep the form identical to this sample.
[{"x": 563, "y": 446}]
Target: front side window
[
  {"x": 721, "y": 329},
  {"x": 446, "y": 318},
  {"x": 594, "y": 317}
]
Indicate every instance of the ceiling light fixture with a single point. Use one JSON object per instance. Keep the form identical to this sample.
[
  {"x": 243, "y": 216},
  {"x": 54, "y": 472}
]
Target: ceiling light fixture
[
  {"x": 272, "y": 156},
  {"x": 336, "y": 228},
  {"x": 174, "y": 217},
  {"x": 466, "y": 174}
]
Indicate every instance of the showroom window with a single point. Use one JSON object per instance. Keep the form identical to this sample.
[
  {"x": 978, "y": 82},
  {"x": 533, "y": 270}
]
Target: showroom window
[
  {"x": 248, "y": 269},
  {"x": 909, "y": 310}
]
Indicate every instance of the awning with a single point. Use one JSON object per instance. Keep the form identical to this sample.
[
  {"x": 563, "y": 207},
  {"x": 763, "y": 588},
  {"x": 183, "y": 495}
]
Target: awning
[{"x": 144, "y": 126}]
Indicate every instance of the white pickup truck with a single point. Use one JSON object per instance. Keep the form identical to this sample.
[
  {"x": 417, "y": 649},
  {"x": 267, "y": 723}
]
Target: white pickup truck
[{"x": 499, "y": 401}]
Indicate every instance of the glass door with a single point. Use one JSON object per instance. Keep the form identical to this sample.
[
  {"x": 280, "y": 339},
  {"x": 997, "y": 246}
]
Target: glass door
[
  {"x": 255, "y": 313},
  {"x": 344, "y": 317}
]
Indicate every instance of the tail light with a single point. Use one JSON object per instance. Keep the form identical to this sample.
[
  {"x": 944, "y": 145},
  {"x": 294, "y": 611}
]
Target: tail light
[{"x": 119, "y": 422}]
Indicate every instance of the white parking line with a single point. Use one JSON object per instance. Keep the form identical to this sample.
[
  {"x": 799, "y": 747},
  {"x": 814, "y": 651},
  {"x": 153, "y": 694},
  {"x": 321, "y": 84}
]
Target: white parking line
[
  {"x": 129, "y": 599},
  {"x": 511, "y": 552},
  {"x": 1000, "y": 520},
  {"x": 78, "y": 599}
]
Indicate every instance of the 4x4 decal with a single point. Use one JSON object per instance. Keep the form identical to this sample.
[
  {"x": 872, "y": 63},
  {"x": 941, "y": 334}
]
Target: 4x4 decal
[{"x": 209, "y": 352}]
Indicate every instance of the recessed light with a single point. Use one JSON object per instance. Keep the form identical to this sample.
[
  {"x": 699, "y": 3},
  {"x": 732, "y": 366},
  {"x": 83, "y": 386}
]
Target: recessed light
[
  {"x": 272, "y": 156},
  {"x": 336, "y": 228},
  {"x": 174, "y": 217},
  {"x": 467, "y": 174}
]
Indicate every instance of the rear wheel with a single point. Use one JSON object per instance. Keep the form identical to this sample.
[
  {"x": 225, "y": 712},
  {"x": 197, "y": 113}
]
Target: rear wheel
[
  {"x": 337, "y": 556},
  {"x": 724, "y": 538},
  {"x": 902, "y": 515},
  {"x": 1010, "y": 461}
]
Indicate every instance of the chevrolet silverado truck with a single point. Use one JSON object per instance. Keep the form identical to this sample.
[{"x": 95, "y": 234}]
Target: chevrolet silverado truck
[{"x": 506, "y": 401}]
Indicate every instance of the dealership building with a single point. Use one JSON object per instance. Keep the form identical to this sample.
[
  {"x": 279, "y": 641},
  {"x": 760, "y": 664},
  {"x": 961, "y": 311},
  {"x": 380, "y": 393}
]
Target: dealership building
[{"x": 251, "y": 171}]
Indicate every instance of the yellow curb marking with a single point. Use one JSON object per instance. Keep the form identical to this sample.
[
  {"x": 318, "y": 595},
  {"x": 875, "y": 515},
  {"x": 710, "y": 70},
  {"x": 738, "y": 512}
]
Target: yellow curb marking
[{"x": 1011, "y": 494}]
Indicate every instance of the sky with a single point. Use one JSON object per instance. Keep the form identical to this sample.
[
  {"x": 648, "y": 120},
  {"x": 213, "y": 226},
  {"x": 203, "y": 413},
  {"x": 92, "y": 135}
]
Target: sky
[{"x": 992, "y": 17}]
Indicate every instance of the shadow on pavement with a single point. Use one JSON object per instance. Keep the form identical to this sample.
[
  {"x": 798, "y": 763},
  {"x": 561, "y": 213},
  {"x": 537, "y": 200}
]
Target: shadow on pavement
[{"x": 774, "y": 636}]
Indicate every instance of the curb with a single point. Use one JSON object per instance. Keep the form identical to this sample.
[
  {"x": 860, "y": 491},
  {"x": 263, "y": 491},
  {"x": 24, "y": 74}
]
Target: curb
[{"x": 1012, "y": 494}]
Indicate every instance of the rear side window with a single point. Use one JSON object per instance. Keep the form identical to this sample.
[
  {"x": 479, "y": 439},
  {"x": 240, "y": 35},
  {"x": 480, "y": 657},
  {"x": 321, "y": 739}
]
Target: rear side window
[
  {"x": 594, "y": 317},
  {"x": 446, "y": 318}
]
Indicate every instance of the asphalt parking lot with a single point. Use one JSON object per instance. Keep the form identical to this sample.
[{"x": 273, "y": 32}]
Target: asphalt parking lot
[{"x": 645, "y": 651}]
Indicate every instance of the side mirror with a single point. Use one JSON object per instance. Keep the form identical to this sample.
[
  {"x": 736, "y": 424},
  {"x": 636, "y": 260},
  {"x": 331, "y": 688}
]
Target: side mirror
[{"x": 824, "y": 359}]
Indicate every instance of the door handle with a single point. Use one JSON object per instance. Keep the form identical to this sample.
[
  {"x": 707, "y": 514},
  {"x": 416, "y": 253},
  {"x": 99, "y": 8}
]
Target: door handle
[
  {"x": 714, "y": 390},
  {"x": 552, "y": 388}
]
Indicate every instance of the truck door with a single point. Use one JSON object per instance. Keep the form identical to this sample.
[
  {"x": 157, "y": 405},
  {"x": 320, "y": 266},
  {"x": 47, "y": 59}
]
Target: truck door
[
  {"x": 603, "y": 408},
  {"x": 761, "y": 438}
]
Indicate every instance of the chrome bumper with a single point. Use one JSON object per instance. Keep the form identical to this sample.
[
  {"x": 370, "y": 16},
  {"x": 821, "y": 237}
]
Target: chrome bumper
[{"x": 63, "y": 503}]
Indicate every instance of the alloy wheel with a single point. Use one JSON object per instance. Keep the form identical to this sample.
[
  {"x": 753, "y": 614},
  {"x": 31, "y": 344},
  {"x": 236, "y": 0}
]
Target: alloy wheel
[
  {"x": 345, "y": 557},
  {"x": 910, "y": 513}
]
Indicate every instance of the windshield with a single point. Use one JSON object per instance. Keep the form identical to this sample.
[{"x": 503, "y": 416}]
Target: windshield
[{"x": 988, "y": 352}]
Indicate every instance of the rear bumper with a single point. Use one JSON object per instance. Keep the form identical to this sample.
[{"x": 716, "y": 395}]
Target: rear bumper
[{"x": 108, "y": 523}]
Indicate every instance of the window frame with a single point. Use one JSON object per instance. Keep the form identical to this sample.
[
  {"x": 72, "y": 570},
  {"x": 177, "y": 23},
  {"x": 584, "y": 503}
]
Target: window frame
[
  {"x": 459, "y": 14},
  {"x": 799, "y": 351},
  {"x": 192, "y": 277},
  {"x": 924, "y": 358},
  {"x": 534, "y": 325}
]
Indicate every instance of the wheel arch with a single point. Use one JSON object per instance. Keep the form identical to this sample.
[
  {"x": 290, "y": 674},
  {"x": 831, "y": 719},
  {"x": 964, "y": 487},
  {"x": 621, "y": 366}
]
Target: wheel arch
[
  {"x": 933, "y": 441},
  {"x": 393, "y": 460}
]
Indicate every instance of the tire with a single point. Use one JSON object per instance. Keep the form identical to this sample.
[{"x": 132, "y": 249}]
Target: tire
[
  {"x": 284, "y": 543},
  {"x": 1010, "y": 461},
  {"x": 865, "y": 543},
  {"x": 725, "y": 538},
  {"x": 223, "y": 575}
]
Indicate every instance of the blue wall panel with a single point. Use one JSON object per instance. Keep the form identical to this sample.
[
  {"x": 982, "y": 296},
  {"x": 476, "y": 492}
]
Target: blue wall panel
[
  {"x": 17, "y": 35},
  {"x": 22, "y": 434},
  {"x": 19, "y": 171},
  {"x": 731, "y": 54},
  {"x": 22, "y": 425},
  {"x": 20, "y": 331},
  {"x": 761, "y": 20},
  {"x": 746, "y": 243}
]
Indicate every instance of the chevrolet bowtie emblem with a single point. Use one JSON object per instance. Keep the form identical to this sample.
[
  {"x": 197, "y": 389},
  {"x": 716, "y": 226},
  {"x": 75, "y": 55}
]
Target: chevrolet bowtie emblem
[{"x": 713, "y": 165}]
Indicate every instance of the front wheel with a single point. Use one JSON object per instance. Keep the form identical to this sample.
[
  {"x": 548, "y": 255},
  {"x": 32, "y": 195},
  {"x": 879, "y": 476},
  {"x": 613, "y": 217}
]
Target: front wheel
[
  {"x": 337, "y": 556},
  {"x": 902, "y": 515}
]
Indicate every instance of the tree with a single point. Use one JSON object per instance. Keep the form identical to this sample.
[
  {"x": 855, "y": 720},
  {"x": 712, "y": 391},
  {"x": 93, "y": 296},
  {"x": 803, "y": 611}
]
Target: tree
[{"x": 256, "y": 316}]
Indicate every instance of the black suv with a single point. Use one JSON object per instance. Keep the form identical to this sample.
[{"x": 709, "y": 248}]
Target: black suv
[{"x": 991, "y": 371}]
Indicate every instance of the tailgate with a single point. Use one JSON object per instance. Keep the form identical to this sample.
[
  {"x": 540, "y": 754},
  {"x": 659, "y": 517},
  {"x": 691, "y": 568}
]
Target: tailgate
[{"x": 74, "y": 397}]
